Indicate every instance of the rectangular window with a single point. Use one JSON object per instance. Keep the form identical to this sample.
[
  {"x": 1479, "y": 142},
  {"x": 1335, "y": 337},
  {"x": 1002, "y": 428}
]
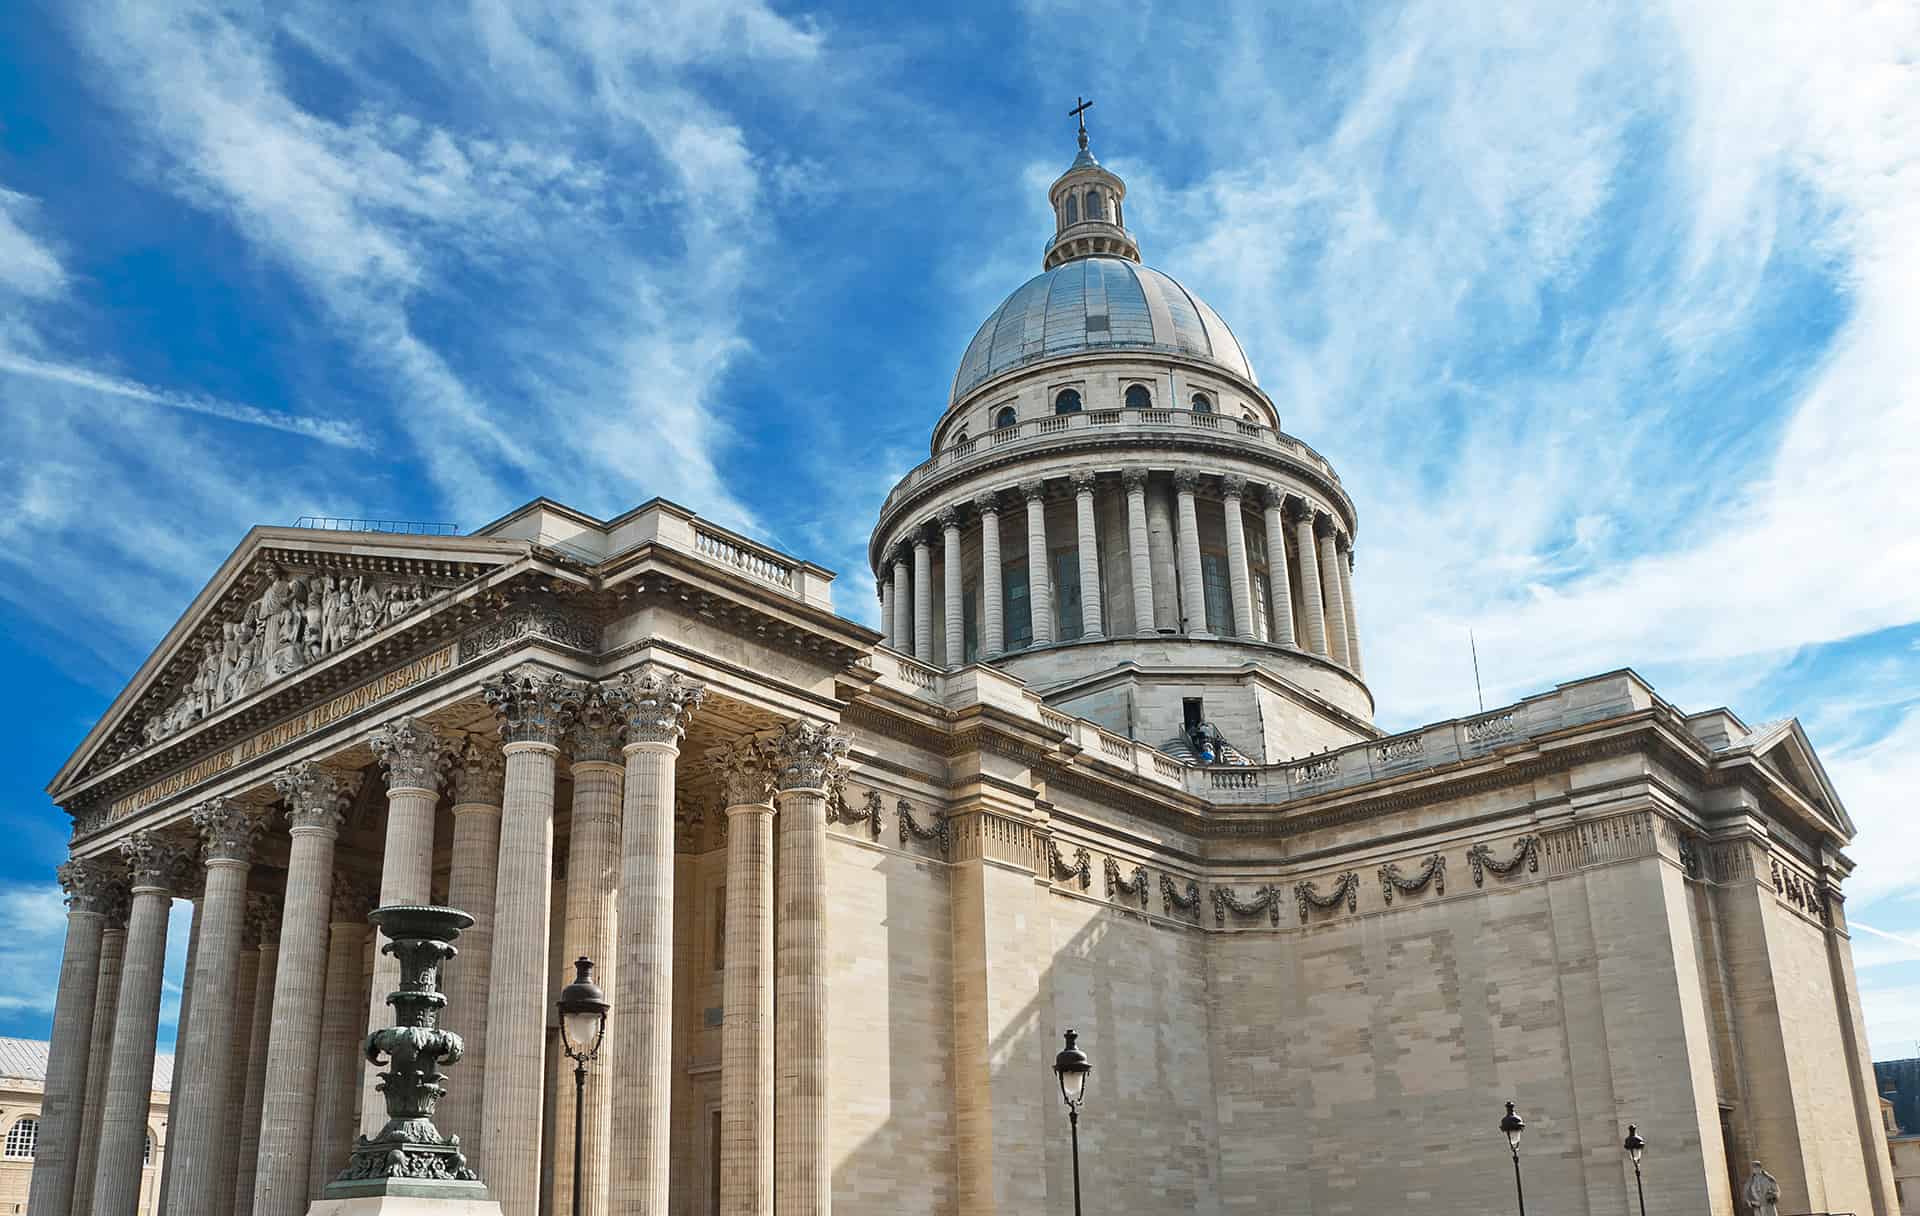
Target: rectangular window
[
  {"x": 1019, "y": 611},
  {"x": 713, "y": 1163},
  {"x": 1213, "y": 586},
  {"x": 1259, "y": 587},
  {"x": 970, "y": 622},
  {"x": 1066, "y": 594}
]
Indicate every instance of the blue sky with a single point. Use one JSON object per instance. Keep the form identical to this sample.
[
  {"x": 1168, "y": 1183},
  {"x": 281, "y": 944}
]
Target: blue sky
[{"x": 1606, "y": 318}]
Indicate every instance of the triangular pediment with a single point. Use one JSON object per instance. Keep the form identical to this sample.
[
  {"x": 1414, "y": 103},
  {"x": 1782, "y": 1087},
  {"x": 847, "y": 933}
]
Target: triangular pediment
[
  {"x": 286, "y": 602},
  {"x": 1785, "y": 749}
]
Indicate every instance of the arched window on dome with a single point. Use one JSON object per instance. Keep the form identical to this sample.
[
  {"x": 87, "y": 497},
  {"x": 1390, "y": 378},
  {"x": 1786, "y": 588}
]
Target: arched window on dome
[
  {"x": 1248, "y": 416},
  {"x": 1005, "y": 418},
  {"x": 22, "y": 1138},
  {"x": 1139, "y": 397},
  {"x": 1202, "y": 404},
  {"x": 1066, "y": 401},
  {"x": 960, "y": 438},
  {"x": 1073, "y": 209},
  {"x": 1094, "y": 210}
]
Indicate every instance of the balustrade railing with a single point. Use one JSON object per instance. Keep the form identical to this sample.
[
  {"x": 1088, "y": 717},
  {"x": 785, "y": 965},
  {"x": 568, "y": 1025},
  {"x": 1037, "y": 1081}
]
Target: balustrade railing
[{"x": 757, "y": 562}]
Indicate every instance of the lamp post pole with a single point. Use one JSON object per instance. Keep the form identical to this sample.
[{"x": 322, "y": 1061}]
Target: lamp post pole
[
  {"x": 579, "y": 1123},
  {"x": 1071, "y": 1066},
  {"x": 583, "y": 1027},
  {"x": 1635, "y": 1148},
  {"x": 1513, "y": 1125}
]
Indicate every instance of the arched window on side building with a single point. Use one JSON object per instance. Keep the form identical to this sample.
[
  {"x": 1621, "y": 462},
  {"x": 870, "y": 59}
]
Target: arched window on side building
[{"x": 22, "y": 1137}]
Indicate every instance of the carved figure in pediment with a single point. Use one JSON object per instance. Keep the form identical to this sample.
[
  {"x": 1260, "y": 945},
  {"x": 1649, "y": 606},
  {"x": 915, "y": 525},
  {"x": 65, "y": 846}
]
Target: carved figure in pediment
[
  {"x": 369, "y": 607},
  {"x": 229, "y": 660},
  {"x": 312, "y": 612}
]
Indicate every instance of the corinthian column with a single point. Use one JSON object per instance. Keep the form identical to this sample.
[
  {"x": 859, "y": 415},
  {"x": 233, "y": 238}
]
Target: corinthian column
[
  {"x": 902, "y": 639},
  {"x": 342, "y": 1021},
  {"x": 1193, "y": 596},
  {"x": 807, "y": 755},
  {"x": 1336, "y": 608},
  {"x": 1279, "y": 591},
  {"x": 657, "y": 705},
  {"x": 1239, "y": 577},
  {"x": 478, "y": 782},
  {"x": 886, "y": 607},
  {"x": 535, "y": 709},
  {"x": 264, "y": 914},
  {"x": 106, "y": 999},
  {"x": 1090, "y": 620},
  {"x": 1310, "y": 601},
  {"x": 233, "y": 1106},
  {"x": 1039, "y": 574},
  {"x": 746, "y": 1028},
  {"x": 953, "y": 583},
  {"x": 415, "y": 760},
  {"x": 1139, "y": 560},
  {"x": 316, "y": 798},
  {"x": 89, "y": 888},
  {"x": 1346, "y": 601},
  {"x": 154, "y": 863},
  {"x": 923, "y": 597},
  {"x": 593, "y": 887},
  {"x": 992, "y": 604},
  {"x": 227, "y": 832}
]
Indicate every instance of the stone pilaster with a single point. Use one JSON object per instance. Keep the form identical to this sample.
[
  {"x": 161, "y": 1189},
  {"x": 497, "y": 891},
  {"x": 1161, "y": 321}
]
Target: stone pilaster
[
  {"x": 1089, "y": 541},
  {"x": 89, "y": 887},
  {"x": 992, "y": 596},
  {"x": 479, "y": 781},
  {"x": 1346, "y": 604},
  {"x": 1279, "y": 587},
  {"x": 343, "y": 1018},
  {"x": 1311, "y": 602},
  {"x": 923, "y": 597},
  {"x": 1239, "y": 576},
  {"x": 106, "y": 999},
  {"x": 1193, "y": 597},
  {"x": 154, "y": 864},
  {"x": 196, "y": 1126},
  {"x": 746, "y": 1029},
  {"x": 1330, "y": 587},
  {"x": 535, "y": 709},
  {"x": 264, "y": 915},
  {"x": 953, "y": 585},
  {"x": 658, "y": 706},
  {"x": 807, "y": 757},
  {"x": 316, "y": 797},
  {"x": 902, "y": 563},
  {"x": 593, "y": 887},
  {"x": 1160, "y": 551},
  {"x": 415, "y": 760},
  {"x": 1139, "y": 559},
  {"x": 1039, "y": 572}
]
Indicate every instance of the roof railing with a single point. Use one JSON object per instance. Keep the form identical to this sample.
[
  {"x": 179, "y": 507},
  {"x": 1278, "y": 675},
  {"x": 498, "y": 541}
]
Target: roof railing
[{"x": 341, "y": 523}]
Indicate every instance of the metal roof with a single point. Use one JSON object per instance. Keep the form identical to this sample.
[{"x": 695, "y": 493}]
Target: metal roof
[{"x": 26, "y": 1060}]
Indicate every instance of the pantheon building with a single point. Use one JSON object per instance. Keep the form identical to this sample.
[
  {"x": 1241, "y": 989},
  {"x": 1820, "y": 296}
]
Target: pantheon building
[{"x": 1110, "y": 766}]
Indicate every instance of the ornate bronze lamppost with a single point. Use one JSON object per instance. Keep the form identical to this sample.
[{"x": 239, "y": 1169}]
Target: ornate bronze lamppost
[
  {"x": 583, "y": 1024},
  {"x": 1071, "y": 1066},
  {"x": 409, "y": 1157}
]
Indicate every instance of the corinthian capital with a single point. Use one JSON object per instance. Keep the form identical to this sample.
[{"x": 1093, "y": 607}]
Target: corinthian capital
[
  {"x": 1134, "y": 479},
  {"x": 987, "y": 503},
  {"x": 228, "y": 829},
  {"x": 1186, "y": 481},
  {"x": 658, "y": 703},
  {"x": 533, "y": 705},
  {"x": 480, "y": 775},
  {"x": 262, "y": 926},
  {"x": 950, "y": 519},
  {"x": 746, "y": 770},
  {"x": 316, "y": 796},
  {"x": 415, "y": 758},
  {"x": 600, "y": 724},
  {"x": 353, "y": 898},
  {"x": 89, "y": 883},
  {"x": 1233, "y": 486},
  {"x": 1083, "y": 480},
  {"x": 808, "y": 755},
  {"x": 155, "y": 860}
]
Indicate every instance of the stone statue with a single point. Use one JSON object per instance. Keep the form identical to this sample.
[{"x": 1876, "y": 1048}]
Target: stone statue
[{"x": 1762, "y": 1192}]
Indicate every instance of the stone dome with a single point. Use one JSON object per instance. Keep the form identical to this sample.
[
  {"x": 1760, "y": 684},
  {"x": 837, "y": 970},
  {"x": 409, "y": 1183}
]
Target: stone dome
[{"x": 1096, "y": 304}]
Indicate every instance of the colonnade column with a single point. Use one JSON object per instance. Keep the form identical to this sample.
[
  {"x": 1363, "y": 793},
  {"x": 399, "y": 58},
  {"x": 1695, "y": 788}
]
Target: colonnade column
[
  {"x": 89, "y": 886},
  {"x": 1193, "y": 596},
  {"x": 535, "y": 708},
  {"x": 746, "y": 1027},
  {"x": 1310, "y": 601},
  {"x": 588, "y": 930},
  {"x": 1279, "y": 591},
  {"x": 472, "y": 882},
  {"x": 1039, "y": 575},
  {"x": 190, "y": 887},
  {"x": 902, "y": 600},
  {"x": 106, "y": 999},
  {"x": 886, "y": 605},
  {"x": 992, "y": 601},
  {"x": 264, "y": 911},
  {"x": 807, "y": 755},
  {"x": 343, "y": 1014},
  {"x": 234, "y": 1104},
  {"x": 954, "y": 585},
  {"x": 1330, "y": 587},
  {"x": 1090, "y": 617},
  {"x": 316, "y": 798},
  {"x": 1346, "y": 600},
  {"x": 1160, "y": 551},
  {"x": 1239, "y": 576},
  {"x": 415, "y": 760},
  {"x": 1139, "y": 560},
  {"x": 228, "y": 831},
  {"x": 923, "y": 597},
  {"x": 154, "y": 863},
  {"x": 657, "y": 705}
]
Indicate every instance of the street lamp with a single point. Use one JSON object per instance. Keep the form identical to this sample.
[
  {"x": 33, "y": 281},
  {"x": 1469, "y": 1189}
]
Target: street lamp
[
  {"x": 1072, "y": 1067},
  {"x": 583, "y": 1025},
  {"x": 1636, "y": 1148},
  {"x": 1513, "y": 1125}
]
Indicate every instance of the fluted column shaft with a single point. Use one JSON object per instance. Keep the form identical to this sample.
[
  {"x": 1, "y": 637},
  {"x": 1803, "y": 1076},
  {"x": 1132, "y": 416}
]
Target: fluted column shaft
[
  {"x": 886, "y": 607},
  {"x": 123, "y": 1122},
  {"x": 1039, "y": 573},
  {"x": 1239, "y": 577},
  {"x": 1160, "y": 552},
  {"x": 746, "y": 1033},
  {"x": 1336, "y": 606},
  {"x": 1346, "y": 601},
  {"x": 1193, "y": 596},
  {"x": 1279, "y": 590},
  {"x": 106, "y": 999},
  {"x": 902, "y": 608},
  {"x": 246, "y": 1158},
  {"x": 1090, "y": 615},
  {"x": 1310, "y": 601},
  {"x": 342, "y": 1020},
  {"x": 63, "y": 1101},
  {"x": 593, "y": 890},
  {"x": 954, "y": 586},
  {"x": 246, "y": 990},
  {"x": 1139, "y": 558},
  {"x": 471, "y": 887},
  {"x": 512, "y": 1096},
  {"x": 992, "y": 597},
  {"x": 406, "y": 877},
  {"x": 922, "y": 599}
]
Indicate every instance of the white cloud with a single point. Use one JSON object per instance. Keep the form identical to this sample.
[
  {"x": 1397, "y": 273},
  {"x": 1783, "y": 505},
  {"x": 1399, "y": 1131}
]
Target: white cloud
[
  {"x": 36, "y": 934},
  {"x": 27, "y": 265}
]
